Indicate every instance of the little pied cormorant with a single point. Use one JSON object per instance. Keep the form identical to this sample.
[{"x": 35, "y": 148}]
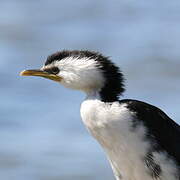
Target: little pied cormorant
[{"x": 140, "y": 140}]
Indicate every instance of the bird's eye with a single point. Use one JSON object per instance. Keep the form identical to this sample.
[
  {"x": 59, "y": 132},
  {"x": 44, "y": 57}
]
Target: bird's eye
[{"x": 55, "y": 70}]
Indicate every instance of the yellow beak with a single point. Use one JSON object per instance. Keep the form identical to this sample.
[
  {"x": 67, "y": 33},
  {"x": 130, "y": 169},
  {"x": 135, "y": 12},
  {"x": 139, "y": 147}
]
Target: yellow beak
[{"x": 44, "y": 74}]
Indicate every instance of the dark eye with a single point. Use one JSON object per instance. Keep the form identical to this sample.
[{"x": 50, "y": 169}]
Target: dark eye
[{"x": 55, "y": 70}]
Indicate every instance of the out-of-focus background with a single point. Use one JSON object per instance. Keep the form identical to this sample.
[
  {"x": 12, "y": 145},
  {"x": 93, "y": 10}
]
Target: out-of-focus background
[{"x": 41, "y": 133}]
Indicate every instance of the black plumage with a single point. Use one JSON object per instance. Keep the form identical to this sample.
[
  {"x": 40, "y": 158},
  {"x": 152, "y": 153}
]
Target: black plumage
[{"x": 162, "y": 131}]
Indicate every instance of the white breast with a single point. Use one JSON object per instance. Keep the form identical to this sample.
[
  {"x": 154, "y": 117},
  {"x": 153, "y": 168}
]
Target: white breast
[{"x": 111, "y": 125}]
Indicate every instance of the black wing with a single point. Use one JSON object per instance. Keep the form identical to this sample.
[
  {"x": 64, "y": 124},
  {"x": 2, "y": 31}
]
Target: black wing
[{"x": 165, "y": 131}]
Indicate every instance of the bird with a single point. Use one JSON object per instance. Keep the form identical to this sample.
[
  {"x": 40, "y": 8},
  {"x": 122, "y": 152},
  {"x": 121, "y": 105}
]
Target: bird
[{"x": 140, "y": 141}]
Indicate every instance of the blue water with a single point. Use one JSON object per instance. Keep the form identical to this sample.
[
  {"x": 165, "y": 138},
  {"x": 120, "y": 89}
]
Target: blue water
[{"x": 42, "y": 136}]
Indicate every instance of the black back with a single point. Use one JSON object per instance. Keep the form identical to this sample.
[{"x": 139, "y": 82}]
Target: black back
[{"x": 163, "y": 131}]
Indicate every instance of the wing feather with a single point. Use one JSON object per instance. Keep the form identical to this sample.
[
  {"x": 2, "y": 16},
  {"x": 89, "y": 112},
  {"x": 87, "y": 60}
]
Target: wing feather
[{"x": 163, "y": 129}]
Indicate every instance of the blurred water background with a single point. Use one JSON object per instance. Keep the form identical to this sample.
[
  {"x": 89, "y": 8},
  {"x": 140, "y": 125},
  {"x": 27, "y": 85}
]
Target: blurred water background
[{"x": 41, "y": 133}]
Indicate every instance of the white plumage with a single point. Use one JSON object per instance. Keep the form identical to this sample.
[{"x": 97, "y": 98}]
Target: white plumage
[
  {"x": 80, "y": 74},
  {"x": 111, "y": 125},
  {"x": 140, "y": 140}
]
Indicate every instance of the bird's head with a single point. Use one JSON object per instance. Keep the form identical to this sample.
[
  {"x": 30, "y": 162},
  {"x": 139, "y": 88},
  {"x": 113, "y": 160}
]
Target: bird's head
[{"x": 82, "y": 70}]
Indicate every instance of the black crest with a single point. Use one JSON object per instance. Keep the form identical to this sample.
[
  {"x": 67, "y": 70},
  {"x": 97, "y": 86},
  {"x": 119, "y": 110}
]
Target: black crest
[
  {"x": 113, "y": 77},
  {"x": 59, "y": 55}
]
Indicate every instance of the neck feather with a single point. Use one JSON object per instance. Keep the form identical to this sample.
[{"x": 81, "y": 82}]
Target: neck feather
[
  {"x": 104, "y": 97},
  {"x": 93, "y": 95},
  {"x": 108, "y": 95}
]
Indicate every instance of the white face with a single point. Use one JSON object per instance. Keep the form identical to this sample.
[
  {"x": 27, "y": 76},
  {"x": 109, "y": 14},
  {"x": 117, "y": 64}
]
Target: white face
[{"x": 81, "y": 74}]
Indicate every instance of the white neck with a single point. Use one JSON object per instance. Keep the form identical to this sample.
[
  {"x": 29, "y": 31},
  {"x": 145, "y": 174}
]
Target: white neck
[{"x": 93, "y": 95}]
